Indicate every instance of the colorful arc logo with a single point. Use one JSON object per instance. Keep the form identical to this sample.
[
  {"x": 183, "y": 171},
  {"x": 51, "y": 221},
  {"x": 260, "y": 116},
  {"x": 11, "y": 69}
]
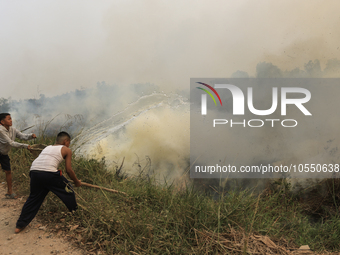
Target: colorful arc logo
[{"x": 208, "y": 92}]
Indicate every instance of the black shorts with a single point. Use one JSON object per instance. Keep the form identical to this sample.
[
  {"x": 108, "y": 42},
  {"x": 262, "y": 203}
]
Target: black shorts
[{"x": 5, "y": 162}]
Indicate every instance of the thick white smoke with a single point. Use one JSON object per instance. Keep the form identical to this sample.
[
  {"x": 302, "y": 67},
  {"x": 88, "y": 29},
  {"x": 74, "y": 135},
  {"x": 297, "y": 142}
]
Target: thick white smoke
[{"x": 151, "y": 135}]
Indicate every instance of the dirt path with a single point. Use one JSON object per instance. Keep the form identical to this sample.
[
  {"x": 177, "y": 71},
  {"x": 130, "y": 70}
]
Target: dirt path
[{"x": 34, "y": 239}]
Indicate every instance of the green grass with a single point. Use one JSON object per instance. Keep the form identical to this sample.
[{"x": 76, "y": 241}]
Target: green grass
[{"x": 159, "y": 219}]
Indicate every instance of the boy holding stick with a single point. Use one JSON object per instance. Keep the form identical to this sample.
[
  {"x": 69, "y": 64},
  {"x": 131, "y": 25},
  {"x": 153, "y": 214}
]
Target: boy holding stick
[
  {"x": 7, "y": 137},
  {"x": 46, "y": 177}
]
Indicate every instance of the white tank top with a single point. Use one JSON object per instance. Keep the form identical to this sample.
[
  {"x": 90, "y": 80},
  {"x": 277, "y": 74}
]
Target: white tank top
[{"x": 49, "y": 159}]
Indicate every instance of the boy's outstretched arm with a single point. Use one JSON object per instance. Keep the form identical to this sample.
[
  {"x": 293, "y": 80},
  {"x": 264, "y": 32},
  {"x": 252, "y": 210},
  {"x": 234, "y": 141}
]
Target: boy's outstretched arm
[
  {"x": 4, "y": 140},
  {"x": 23, "y": 136},
  {"x": 68, "y": 158}
]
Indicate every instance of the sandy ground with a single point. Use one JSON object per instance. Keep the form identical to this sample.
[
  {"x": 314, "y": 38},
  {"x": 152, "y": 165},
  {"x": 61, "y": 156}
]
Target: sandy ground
[{"x": 34, "y": 239}]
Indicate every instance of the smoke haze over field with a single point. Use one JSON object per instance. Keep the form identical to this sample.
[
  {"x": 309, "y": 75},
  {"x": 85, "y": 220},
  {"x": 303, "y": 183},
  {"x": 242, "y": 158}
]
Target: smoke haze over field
[
  {"x": 55, "y": 55},
  {"x": 145, "y": 126},
  {"x": 53, "y": 47}
]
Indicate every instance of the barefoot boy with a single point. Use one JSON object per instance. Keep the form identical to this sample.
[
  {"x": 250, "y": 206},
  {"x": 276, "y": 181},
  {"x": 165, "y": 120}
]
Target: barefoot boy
[
  {"x": 7, "y": 137},
  {"x": 46, "y": 177}
]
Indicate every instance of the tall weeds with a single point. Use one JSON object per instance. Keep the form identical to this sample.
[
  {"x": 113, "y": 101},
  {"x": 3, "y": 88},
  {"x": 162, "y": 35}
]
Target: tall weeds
[{"x": 161, "y": 219}]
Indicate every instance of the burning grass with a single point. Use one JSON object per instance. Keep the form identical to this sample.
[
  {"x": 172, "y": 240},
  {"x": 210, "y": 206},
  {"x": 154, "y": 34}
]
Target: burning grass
[{"x": 158, "y": 219}]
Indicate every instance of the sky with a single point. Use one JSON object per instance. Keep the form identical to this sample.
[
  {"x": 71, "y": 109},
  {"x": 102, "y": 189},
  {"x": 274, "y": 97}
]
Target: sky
[{"x": 53, "y": 47}]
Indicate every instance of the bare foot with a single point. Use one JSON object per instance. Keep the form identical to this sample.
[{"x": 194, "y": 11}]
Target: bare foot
[
  {"x": 11, "y": 196},
  {"x": 18, "y": 230}
]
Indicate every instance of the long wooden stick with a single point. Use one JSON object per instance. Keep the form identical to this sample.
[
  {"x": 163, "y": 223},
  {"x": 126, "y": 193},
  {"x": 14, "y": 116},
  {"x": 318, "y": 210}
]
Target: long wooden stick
[
  {"x": 99, "y": 187},
  {"x": 26, "y": 128},
  {"x": 36, "y": 149}
]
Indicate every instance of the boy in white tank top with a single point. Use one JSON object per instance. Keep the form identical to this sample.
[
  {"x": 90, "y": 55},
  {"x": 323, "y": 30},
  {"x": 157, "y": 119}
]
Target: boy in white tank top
[{"x": 46, "y": 177}]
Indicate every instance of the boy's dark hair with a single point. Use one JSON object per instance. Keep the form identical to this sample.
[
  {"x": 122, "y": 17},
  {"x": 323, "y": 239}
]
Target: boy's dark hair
[
  {"x": 62, "y": 136},
  {"x": 3, "y": 116}
]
